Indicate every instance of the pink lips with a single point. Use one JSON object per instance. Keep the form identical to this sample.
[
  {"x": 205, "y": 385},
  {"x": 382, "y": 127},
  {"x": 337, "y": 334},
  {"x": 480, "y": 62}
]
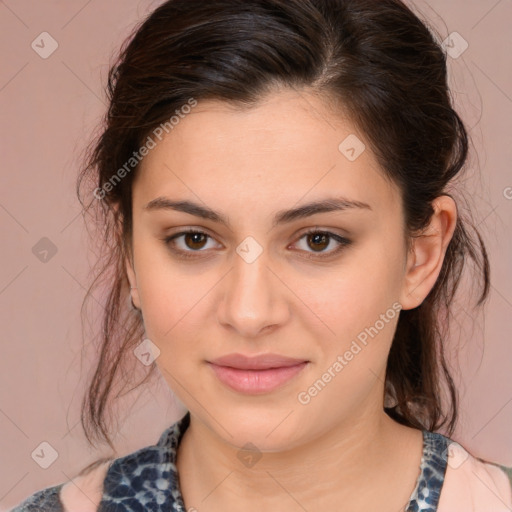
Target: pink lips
[{"x": 256, "y": 375}]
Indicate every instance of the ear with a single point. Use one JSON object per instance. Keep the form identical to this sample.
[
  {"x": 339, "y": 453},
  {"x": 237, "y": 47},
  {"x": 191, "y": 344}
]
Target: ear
[
  {"x": 129, "y": 266},
  {"x": 130, "y": 272},
  {"x": 425, "y": 259}
]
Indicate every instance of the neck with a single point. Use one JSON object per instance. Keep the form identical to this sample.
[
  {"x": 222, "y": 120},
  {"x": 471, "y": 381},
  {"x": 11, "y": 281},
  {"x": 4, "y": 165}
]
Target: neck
[{"x": 349, "y": 462}]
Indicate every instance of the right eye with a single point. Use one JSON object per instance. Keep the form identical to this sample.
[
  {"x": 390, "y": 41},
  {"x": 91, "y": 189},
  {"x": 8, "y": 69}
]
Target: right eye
[{"x": 193, "y": 241}]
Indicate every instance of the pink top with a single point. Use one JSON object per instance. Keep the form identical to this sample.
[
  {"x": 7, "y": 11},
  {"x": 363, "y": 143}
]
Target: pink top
[{"x": 474, "y": 485}]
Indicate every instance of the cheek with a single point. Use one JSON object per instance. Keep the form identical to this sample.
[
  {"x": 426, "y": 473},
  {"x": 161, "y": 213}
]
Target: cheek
[
  {"x": 172, "y": 299},
  {"x": 358, "y": 289},
  {"x": 352, "y": 358},
  {"x": 358, "y": 302},
  {"x": 170, "y": 312}
]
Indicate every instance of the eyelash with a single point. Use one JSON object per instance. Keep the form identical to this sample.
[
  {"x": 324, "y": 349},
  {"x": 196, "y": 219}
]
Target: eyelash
[{"x": 342, "y": 241}]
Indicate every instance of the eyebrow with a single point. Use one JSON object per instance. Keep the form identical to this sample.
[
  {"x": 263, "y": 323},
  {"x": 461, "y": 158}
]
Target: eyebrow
[{"x": 330, "y": 204}]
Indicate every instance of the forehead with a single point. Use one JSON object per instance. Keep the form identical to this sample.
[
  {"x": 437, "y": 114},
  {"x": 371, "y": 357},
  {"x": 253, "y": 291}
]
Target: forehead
[{"x": 289, "y": 148}]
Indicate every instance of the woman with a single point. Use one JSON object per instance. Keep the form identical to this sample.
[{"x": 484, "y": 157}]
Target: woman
[{"x": 274, "y": 177}]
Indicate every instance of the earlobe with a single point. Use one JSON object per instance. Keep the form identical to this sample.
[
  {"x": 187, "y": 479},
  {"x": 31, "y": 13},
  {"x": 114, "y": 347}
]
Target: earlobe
[{"x": 427, "y": 253}]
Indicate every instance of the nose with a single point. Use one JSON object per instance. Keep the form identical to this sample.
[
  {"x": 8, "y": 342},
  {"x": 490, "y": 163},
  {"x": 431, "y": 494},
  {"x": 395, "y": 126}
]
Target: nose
[{"x": 254, "y": 298}]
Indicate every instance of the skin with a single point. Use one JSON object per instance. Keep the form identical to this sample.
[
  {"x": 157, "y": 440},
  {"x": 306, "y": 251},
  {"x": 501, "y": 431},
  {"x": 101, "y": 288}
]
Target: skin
[{"x": 248, "y": 166}]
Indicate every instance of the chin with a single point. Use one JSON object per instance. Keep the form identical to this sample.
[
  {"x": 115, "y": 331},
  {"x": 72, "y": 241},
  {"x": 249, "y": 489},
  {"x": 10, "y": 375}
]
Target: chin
[{"x": 269, "y": 429}]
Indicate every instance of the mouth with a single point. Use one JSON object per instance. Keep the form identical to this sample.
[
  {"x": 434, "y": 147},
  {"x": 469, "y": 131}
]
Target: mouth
[{"x": 256, "y": 375}]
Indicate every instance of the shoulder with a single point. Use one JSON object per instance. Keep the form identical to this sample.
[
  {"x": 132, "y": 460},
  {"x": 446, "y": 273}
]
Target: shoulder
[
  {"x": 142, "y": 480},
  {"x": 45, "y": 500},
  {"x": 81, "y": 493},
  {"x": 84, "y": 492},
  {"x": 472, "y": 484},
  {"x": 145, "y": 479}
]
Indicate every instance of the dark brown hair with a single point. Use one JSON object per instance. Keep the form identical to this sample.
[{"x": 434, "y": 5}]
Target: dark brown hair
[{"x": 377, "y": 60}]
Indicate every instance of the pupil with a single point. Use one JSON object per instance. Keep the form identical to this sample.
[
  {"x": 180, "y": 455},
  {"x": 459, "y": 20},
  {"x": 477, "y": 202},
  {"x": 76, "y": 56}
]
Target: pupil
[
  {"x": 195, "y": 237},
  {"x": 320, "y": 238}
]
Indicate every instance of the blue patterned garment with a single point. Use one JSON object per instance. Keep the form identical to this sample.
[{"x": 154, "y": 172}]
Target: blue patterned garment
[{"x": 147, "y": 479}]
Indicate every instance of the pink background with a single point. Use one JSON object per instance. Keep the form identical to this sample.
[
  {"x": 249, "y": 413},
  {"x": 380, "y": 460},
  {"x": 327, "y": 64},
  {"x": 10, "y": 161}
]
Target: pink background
[{"x": 50, "y": 108}]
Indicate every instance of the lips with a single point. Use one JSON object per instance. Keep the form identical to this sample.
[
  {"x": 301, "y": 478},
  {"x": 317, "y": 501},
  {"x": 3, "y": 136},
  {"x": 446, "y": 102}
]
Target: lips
[
  {"x": 258, "y": 374},
  {"x": 261, "y": 362}
]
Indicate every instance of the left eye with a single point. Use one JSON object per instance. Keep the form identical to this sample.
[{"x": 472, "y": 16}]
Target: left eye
[
  {"x": 321, "y": 240},
  {"x": 195, "y": 241}
]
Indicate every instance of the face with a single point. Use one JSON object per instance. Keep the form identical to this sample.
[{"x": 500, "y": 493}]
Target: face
[{"x": 323, "y": 287}]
